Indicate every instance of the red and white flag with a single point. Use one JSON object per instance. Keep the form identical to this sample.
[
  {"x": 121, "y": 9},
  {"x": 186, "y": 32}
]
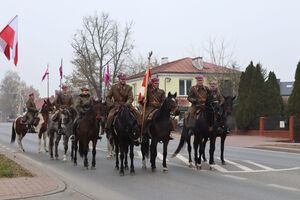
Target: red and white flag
[
  {"x": 9, "y": 40},
  {"x": 46, "y": 73},
  {"x": 142, "y": 92}
]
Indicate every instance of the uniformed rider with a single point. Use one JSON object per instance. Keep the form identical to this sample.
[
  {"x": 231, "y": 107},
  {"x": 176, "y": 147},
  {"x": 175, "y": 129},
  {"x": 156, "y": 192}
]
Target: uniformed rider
[
  {"x": 31, "y": 113},
  {"x": 120, "y": 94}
]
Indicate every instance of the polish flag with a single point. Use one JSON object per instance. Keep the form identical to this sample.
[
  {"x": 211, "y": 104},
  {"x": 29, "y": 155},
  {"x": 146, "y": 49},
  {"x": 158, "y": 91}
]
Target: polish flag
[
  {"x": 9, "y": 40},
  {"x": 46, "y": 73},
  {"x": 107, "y": 75},
  {"x": 142, "y": 92}
]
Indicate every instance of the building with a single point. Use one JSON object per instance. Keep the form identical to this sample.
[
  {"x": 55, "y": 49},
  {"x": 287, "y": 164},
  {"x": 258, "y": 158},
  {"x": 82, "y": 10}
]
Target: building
[
  {"x": 286, "y": 89},
  {"x": 179, "y": 75}
]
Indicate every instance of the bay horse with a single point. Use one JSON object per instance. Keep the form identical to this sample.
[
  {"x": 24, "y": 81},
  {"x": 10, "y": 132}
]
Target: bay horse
[
  {"x": 87, "y": 130},
  {"x": 126, "y": 133},
  {"x": 160, "y": 129},
  {"x": 40, "y": 126},
  {"x": 204, "y": 119},
  {"x": 222, "y": 125}
]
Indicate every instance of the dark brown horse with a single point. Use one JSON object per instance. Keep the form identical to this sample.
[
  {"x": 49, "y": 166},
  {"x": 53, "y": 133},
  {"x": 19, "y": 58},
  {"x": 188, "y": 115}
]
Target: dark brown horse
[
  {"x": 86, "y": 131},
  {"x": 160, "y": 129},
  {"x": 40, "y": 127}
]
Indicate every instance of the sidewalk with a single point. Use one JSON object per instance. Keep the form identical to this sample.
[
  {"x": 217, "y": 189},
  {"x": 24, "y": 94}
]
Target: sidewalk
[{"x": 40, "y": 184}]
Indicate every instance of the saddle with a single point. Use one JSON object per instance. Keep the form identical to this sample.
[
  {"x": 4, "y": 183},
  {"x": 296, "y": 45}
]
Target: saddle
[{"x": 24, "y": 119}]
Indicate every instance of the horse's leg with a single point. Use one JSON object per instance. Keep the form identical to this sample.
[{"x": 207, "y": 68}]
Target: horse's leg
[
  {"x": 212, "y": 150},
  {"x": 51, "y": 140},
  {"x": 196, "y": 144},
  {"x": 40, "y": 137},
  {"x": 72, "y": 150},
  {"x": 94, "y": 154},
  {"x": 45, "y": 141},
  {"x": 57, "y": 139},
  {"x": 117, "y": 154},
  {"x": 145, "y": 151},
  {"x": 223, "y": 137},
  {"x": 66, "y": 140},
  {"x": 126, "y": 155},
  {"x": 75, "y": 151},
  {"x": 153, "y": 149},
  {"x": 109, "y": 149},
  {"x": 189, "y": 147},
  {"x": 165, "y": 153},
  {"x": 204, "y": 145},
  {"x": 20, "y": 137},
  {"x": 122, "y": 152},
  {"x": 132, "y": 172},
  {"x": 86, "y": 146}
]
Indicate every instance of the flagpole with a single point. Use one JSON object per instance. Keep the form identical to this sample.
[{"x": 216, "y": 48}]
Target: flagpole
[
  {"x": 60, "y": 76},
  {"x": 48, "y": 81},
  {"x": 145, "y": 94}
]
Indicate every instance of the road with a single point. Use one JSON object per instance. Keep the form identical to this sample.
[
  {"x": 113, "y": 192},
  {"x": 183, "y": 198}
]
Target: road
[{"x": 248, "y": 174}]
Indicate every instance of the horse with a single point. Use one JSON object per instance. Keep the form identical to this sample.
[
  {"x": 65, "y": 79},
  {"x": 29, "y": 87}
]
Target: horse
[
  {"x": 222, "y": 127},
  {"x": 40, "y": 126},
  {"x": 126, "y": 132},
  {"x": 160, "y": 129},
  {"x": 204, "y": 119},
  {"x": 87, "y": 130}
]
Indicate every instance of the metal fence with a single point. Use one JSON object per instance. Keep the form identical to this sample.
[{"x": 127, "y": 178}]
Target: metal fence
[
  {"x": 297, "y": 130},
  {"x": 276, "y": 123}
]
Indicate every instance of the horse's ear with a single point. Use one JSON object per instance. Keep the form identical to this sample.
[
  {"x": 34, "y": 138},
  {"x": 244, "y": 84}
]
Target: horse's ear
[
  {"x": 175, "y": 95},
  {"x": 169, "y": 94}
]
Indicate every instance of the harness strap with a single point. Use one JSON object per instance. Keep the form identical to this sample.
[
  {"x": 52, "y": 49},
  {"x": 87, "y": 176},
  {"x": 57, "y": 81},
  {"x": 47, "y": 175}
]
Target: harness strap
[{"x": 199, "y": 95}]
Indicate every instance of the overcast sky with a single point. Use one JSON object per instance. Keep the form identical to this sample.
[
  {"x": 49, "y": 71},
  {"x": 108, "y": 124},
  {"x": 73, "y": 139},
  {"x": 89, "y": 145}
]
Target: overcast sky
[{"x": 265, "y": 31}]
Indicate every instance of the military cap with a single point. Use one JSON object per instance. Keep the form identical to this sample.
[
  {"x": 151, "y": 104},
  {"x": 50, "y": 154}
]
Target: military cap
[{"x": 84, "y": 89}]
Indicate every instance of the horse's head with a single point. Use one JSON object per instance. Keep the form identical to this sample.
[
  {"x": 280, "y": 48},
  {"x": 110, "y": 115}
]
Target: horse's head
[
  {"x": 68, "y": 115},
  {"x": 171, "y": 102},
  {"x": 47, "y": 107},
  {"x": 227, "y": 105},
  {"x": 129, "y": 122},
  {"x": 100, "y": 109}
]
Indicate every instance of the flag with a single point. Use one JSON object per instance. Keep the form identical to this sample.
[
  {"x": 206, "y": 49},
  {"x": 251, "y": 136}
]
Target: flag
[
  {"x": 60, "y": 72},
  {"x": 142, "y": 92},
  {"x": 9, "y": 40},
  {"x": 107, "y": 75},
  {"x": 46, "y": 73}
]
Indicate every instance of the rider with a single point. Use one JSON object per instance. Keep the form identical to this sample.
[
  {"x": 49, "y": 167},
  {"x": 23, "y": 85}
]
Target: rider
[
  {"x": 155, "y": 98},
  {"x": 215, "y": 92},
  {"x": 83, "y": 103},
  {"x": 31, "y": 113},
  {"x": 62, "y": 101},
  {"x": 197, "y": 96},
  {"x": 120, "y": 94}
]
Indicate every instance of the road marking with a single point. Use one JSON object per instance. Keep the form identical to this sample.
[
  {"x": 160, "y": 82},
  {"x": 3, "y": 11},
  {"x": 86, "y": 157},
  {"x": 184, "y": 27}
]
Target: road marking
[
  {"x": 247, "y": 169},
  {"x": 284, "y": 187},
  {"x": 183, "y": 159},
  {"x": 160, "y": 157},
  {"x": 259, "y": 165},
  {"x": 219, "y": 168},
  {"x": 235, "y": 177}
]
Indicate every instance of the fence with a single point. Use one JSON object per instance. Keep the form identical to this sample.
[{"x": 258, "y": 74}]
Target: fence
[{"x": 297, "y": 130}]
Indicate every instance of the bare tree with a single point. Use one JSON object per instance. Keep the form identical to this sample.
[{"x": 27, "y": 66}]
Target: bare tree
[{"x": 99, "y": 43}]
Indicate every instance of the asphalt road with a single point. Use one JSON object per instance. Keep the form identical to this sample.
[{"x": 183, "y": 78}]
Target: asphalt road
[{"x": 248, "y": 174}]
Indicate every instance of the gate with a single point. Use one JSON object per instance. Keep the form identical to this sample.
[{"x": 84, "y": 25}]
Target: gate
[{"x": 297, "y": 130}]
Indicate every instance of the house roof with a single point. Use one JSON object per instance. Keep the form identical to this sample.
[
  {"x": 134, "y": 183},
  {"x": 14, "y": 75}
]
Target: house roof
[
  {"x": 184, "y": 66},
  {"x": 39, "y": 103},
  {"x": 286, "y": 88}
]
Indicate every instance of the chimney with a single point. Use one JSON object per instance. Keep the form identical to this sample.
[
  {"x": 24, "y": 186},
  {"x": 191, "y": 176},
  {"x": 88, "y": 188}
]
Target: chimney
[
  {"x": 198, "y": 63},
  {"x": 164, "y": 60}
]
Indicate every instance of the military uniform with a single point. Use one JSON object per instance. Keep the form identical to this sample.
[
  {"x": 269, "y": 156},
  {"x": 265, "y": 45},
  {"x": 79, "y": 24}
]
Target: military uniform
[
  {"x": 197, "y": 96},
  {"x": 120, "y": 94},
  {"x": 63, "y": 100},
  {"x": 155, "y": 98},
  {"x": 31, "y": 110},
  {"x": 83, "y": 104},
  {"x": 216, "y": 95}
]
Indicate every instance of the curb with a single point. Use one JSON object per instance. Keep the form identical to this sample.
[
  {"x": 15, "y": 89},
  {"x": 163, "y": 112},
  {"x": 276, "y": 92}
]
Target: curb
[
  {"x": 32, "y": 166},
  {"x": 273, "y": 148}
]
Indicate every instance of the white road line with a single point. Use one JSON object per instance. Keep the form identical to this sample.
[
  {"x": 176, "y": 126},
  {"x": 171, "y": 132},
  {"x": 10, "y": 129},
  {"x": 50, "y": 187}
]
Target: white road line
[
  {"x": 259, "y": 165},
  {"x": 139, "y": 154},
  {"x": 284, "y": 187},
  {"x": 183, "y": 159},
  {"x": 160, "y": 157},
  {"x": 219, "y": 168},
  {"x": 235, "y": 177},
  {"x": 239, "y": 166}
]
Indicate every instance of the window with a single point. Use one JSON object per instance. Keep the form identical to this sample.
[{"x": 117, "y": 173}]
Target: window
[{"x": 184, "y": 87}]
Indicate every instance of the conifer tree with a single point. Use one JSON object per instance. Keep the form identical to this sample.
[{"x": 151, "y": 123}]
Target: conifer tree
[{"x": 293, "y": 107}]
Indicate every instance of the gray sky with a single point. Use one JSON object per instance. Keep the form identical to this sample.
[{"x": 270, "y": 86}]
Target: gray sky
[{"x": 265, "y": 31}]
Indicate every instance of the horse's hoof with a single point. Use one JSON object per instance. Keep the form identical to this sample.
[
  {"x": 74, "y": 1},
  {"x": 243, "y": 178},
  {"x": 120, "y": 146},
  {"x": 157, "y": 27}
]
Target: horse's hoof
[
  {"x": 174, "y": 155},
  {"x": 121, "y": 173},
  {"x": 153, "y": 169},
  {"x": 204, "y": 159},
  {"x": 191, "y": 165},
  {"x": 56, "y": 158},
  {"x": 40, "y": 151},
  {"x": 126, "y": 168},
  {"x": 75, "y": 164},
  {"x": 211, "y": 168},
  {"x": 22, "y": 150},
  {"x": 198, "y": 167},
  {"x": 144, "y": 166},
  {"x": 223, "y": 163},
  {"x": 51, "y": 158},
  {"x": 165, "y": 170},
  {"x": 117, "y": 168},
  {"x": 65, "y": 160},
  {"x": 132, "y": 173},
  {"x": 108, "y": 157},
  {"x": 93, "y": 168}
]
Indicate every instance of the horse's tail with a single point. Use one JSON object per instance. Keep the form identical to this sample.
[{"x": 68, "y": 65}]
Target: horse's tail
[
  {"x": 145, "y": 147},
  {"x": 13, "y": 133},
  {"x": 184, "y": 135}
]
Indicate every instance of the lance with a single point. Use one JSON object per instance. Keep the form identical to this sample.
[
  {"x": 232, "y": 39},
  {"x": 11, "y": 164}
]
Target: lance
[
  {"x": 60, "y": 73},
  {"x": 145, "y": 94},
  {"x": 48, "y": 81}
]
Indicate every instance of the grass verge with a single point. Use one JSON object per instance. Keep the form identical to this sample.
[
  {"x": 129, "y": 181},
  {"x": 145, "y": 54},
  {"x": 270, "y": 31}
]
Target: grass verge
[{"x": 9, "y": 168}]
